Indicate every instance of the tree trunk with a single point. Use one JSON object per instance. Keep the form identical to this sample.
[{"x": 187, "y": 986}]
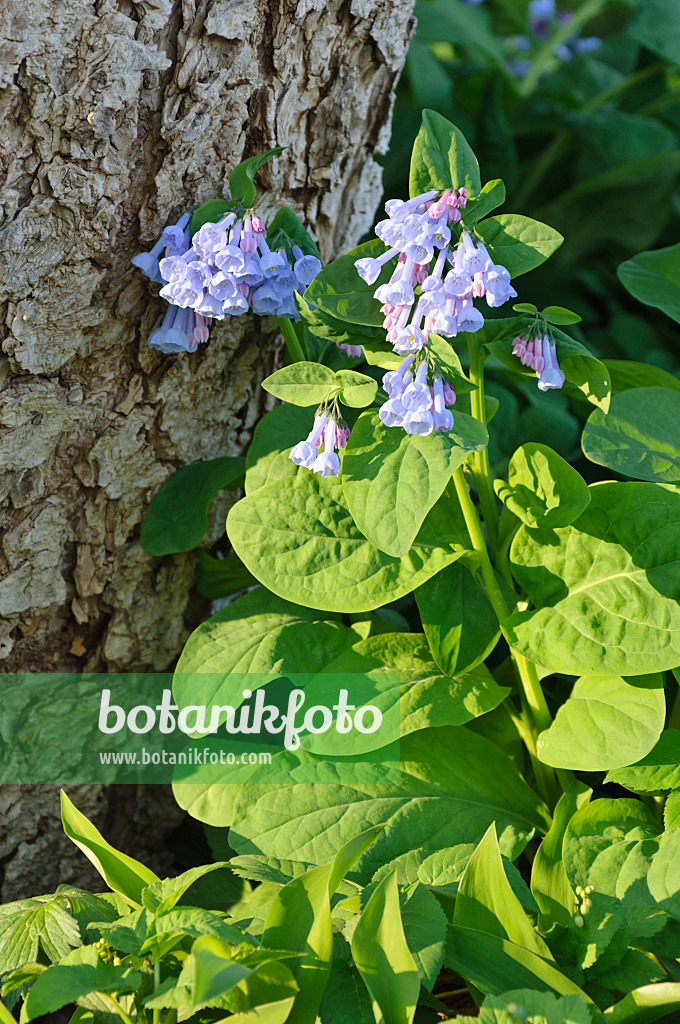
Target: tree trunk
[{"x": 116, "y": 117}]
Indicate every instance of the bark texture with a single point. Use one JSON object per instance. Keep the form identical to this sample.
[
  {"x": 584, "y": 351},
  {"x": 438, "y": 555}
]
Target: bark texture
[{"x": 116, "y": 116}]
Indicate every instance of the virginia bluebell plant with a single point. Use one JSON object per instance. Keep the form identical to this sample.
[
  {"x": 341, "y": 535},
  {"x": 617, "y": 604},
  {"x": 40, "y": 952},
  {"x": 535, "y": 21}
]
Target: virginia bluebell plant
[{"x": 544, "y": 20}]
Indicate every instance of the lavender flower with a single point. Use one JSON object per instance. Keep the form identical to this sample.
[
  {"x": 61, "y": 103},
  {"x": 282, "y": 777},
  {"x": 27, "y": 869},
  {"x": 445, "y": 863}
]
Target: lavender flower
[{"x": 540, "y": 353}]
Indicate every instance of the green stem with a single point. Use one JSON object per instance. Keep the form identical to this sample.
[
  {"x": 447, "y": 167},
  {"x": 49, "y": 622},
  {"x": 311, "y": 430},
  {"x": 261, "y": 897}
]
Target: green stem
[
  {"x": 293, "y": 344},
  {"x": 156, "y": 1016},
  {"x": 478, "y": 541},
  {"x": 546, "y": 54},
  {"x": 116, "y": 1006},
  {"x": 480, "y": 460}
]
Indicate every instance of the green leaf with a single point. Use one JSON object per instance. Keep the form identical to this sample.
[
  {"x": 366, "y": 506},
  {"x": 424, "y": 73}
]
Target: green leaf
[
  {"x": 646, "y": 1005},
  {"x": 442, "y": 158},
  {"x": 5, "y": 1016},
  {"x": 518, "y": 243},
  {"x": 208, "y": 213},
  {"x": 425, "y": 930},
  {"x": 495, "y": 965},
  {"x": 221, "y": 577},
  {"x": 339, "y": 291},
  {"x": 654, "y": 278},
  {"x": 79, "y": 974},
  {"x": 671, "y": 813},
  {"x": 121, "y": 873},
  {"x": 625, "y": 373},
  {"x": 447, "y": 361},
  {"x": 391, "y": 479},
  {"x": 459, "y": 622},
  {"x": 534, "y": 1007},
  {"x": 328, "y": 328},
  {"x": 543, "y": 489},
  {"x": 559, "y": 316},
  {"x": 469, "y": 26},
  {"x": 657, "y": 770},
  {"x": 26, "y": 926},
  {"x": 383, "y": 958},
  {"x": 450, "y": 786},
  {"x": 163, "y": 895},
  {"x": 127, "y": 934},
  {"x": 358, "y": 390},
  {"x": 177, "y": 517},
  {"x": 607, "y": 722},
  {"x": 216, "y": 972},
  {"x": 485, "y": 900},
  {"x": 194, "y": 921},
  {"x": 491, "y": 196},
  {"x": 301, "y": 383},
  {"x": 268, "y": 457},
  {"x": 287, "y": 224},
  {"x": 549, "y": 882},
  {"x": 606, "y": 588},
  {"x": 639, "y": 436},
  {"x": 299, "y": 919},
  {"x": 241, "y": 184},
  {"x": 346, "y": 999},
  {"x": 656, "y": 24},
  {"x": 298, "y": 538}
]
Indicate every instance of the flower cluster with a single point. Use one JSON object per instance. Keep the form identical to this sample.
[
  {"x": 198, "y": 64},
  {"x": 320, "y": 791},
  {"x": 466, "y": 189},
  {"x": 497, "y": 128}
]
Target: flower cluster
[
  {"x": 318, "y": 451},
  {"x": 413, "y": 404},
  {"x": 226, "y": 269},
  {"x": 540, "y": 353},
  {"x": 544, "y": 20},
  {"x": 413, "y": 231}
]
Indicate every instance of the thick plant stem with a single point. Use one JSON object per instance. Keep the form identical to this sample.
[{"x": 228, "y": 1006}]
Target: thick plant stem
[
  {"x": 480, "y": 460},
  {"x": 295, "y": 350}
]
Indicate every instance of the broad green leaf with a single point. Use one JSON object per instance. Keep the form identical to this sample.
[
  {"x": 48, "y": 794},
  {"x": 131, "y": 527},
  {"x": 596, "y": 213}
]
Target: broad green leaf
[
  {"x": 656, "y": 24},
  {"x": 287, "y": 227},
  {"x": 459, "y": 622},
  {"x": 208, "y": 213},
  {"x": 518, "y": 243},
  {"x": 221, "y": 577},
  {"x": 191, "y": 921},
  {"x": 646, "y": 1005},
  {"x": 447, "y": 361},
  {"x": 392, "y": 479},
  {"x": 339, "y": 291},
  {"x": 216, "y": 972},
  {"x": 425, "y": 930},
  {"x": 559, "y": 316},
  {"x": 177, "y": 517},
  {"x": 162, "y": 896},
  {"x": 450, "y": 786},
  {"x": 301, "y": 383},
  {"x": 241, "y": 184},
  {"x": 44, "y": 922},
  {"x": 326, "y": 327},
  {"x": 383, "y": 958},
  {"x": 654, "y": 278},
  {"x": 443, "y": 870},
  {"x": 121, "y": 873},
  {"x": 543, "y": 489},
  {"x": 5, "y": 1016},
  {"x": 534, "y": 1007},
  {"x": 485, "y": 900},
  {"x": 607, "y": 722},
  {"x": 495, "y": 965},
  {"x": 346, "y": 999},
  {"x": 491, "y": 196},
  {"x": 358, "y": 390},
  {"x": 549, "y": 882},
  {"x": 299, "y": 919},
  {"x": 671, "y": 812},
  {"x": 79, "y": 974},
  {"x": 639, "y": 436},
  {"x": 606, "y": 588},
  {"x": 268, "y": 457},
  {"x": 625, "y": 374},
  {"x": 297, "y": 537},
  {"x": 601, "y": 837},
  {"x": 442, "y": 158},
  {"x": 128, "y": 933},
  {"x": 657, "y": 770}
]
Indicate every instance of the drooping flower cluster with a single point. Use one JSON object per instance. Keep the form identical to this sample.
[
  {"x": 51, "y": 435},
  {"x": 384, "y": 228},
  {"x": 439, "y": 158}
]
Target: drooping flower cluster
[
  {"x": 540, "y": 353},
  {"x": 413, "y": 231},
  {"x": 318, "y": 451},
  {"x": 415, "y": 405},
  {"x": 544, "y": 20},
  {"x": 226, "y": 269}
]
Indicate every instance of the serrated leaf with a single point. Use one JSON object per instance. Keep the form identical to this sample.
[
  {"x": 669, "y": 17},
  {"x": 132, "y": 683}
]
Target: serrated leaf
[
  {"x": 177, "y": 517},
  {"x": 163, "y": 895},
  {"x": 26, "y": 926},
  {"x": 78, "y": 974}
]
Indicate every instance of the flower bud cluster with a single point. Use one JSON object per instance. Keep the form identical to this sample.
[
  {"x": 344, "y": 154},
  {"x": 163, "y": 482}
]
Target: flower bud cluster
[
  {"x": 318, "y": 451},
  {"x": 540, "y": 353},
  {"x": 415, "y": 405}
]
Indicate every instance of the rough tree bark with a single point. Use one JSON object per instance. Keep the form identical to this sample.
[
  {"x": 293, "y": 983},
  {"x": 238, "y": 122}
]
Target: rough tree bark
[{"x": 115, "y": 117}]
